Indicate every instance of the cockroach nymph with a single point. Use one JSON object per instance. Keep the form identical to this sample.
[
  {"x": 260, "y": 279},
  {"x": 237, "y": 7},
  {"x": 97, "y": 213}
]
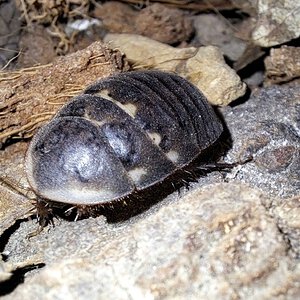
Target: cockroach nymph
[{"x": 124, "y": 134}]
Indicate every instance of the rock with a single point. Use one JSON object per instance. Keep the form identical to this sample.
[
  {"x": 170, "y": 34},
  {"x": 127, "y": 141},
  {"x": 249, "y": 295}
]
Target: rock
[
  {"x": 283, "y": 64},
  {"x": 276, "y": 22},
  {"x": 214, "y": 242},
  {"x": 156, "y": 21},
  {"x": 220, "y": 35},
  {"x": 116, "y": 16},
  {"x": 5, "y": 271},
  {"x": 204, "y": 66},
  {"x": 37, "y": 47},
  {"x": 164, "y": 24},
  {"x": 12, "y": 207},
  {"x": 267, "y": 127},
  {"x": 287, "y": 213}
]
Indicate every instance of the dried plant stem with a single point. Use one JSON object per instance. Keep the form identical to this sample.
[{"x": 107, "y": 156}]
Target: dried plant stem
[{"x": 25, "y": 127}]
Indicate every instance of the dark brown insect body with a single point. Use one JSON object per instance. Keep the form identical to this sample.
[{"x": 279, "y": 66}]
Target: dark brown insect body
[{"x": 124, "y": 134}]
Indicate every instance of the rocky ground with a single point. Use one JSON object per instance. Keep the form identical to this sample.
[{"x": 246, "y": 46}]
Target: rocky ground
[{"x": 232, "y": 234}]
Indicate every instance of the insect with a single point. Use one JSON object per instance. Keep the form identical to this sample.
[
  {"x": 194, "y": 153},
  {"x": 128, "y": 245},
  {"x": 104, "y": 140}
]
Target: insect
[{"x": 124, "y": 134}]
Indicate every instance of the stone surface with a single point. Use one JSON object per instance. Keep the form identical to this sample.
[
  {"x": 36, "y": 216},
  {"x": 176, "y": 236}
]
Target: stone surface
[
  {"x": 116, "y": 16},
  {"x": 287, "y": 213},
  {"x": 204, "y": 66},
  {"x": 156, "y": 21},
  {"x": 276, "y": 22},
  {"x": 267, "y": 127},
  {"x": 220, "y": 35},
  {"x": 283, "y": 64},
  {"x": 12, "y": 207},
  {"x": 214, "y": 242},
  {"x": 164, "y": 24},
  {"x": 5, "y": 271},
  {"x": 37, "y": 47}
]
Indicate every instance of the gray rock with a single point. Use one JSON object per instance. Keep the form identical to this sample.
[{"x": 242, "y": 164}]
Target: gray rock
[
  {"x": 267, "y": 127},
  {"x": 276, "y": 22},
  {"x": 212, "y": 30},
  {"x": 215, "y": 242},
  {"x": 287, "y": 213}
]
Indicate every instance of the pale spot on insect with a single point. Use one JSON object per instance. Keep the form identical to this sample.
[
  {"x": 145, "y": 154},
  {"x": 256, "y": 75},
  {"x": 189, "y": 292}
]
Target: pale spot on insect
[
  {"x": 129, "y": 108},
  {"x": 155, "y": 137},
  {"x": 106, "y": 95},
  {"x": 173, "y": 155},
  {"x": 98, "y": 123},
  {"x": 137, "y": 173}
]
